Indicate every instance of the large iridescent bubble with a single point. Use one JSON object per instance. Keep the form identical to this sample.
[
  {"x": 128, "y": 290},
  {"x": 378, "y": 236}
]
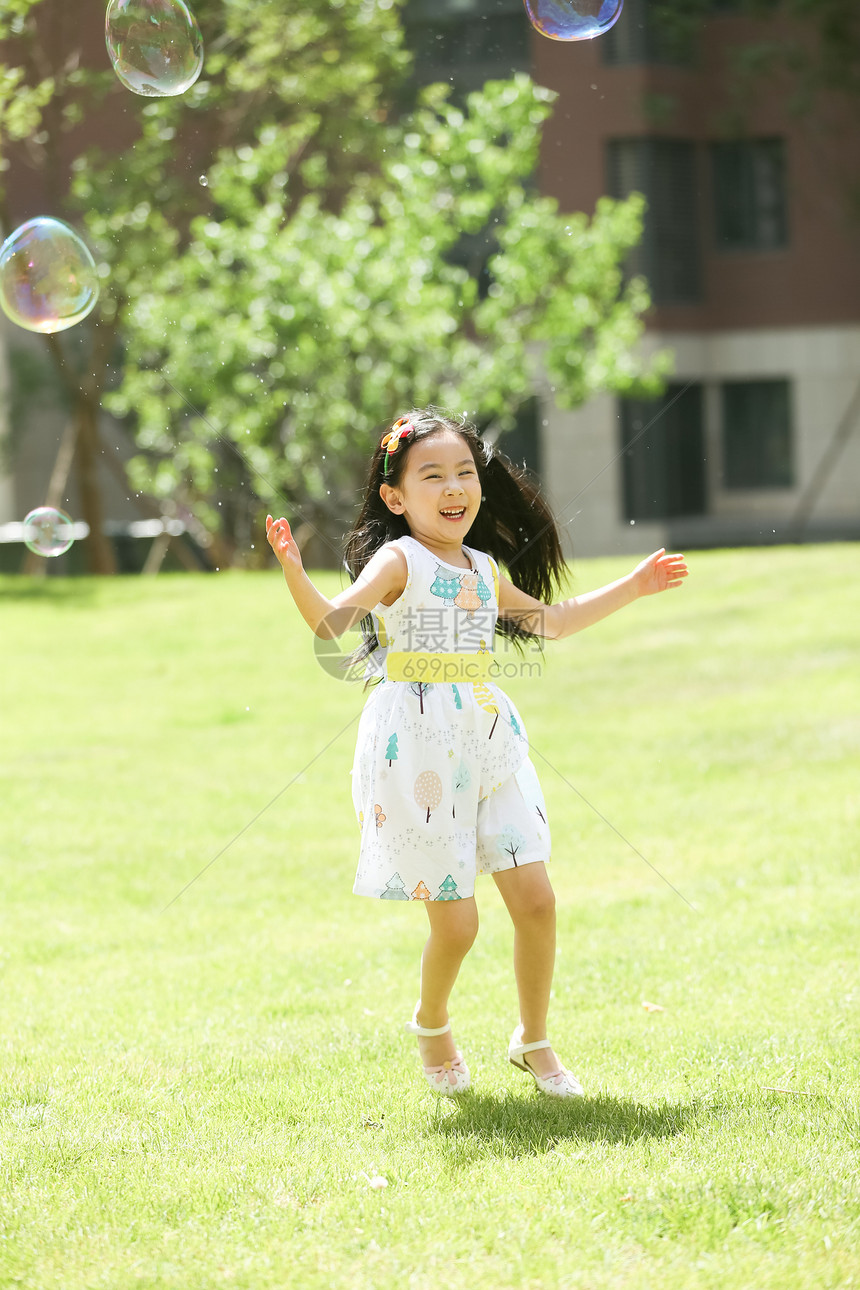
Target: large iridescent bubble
[
  {"x": 48, "y": 278},
  {"x": 573, "y": 19},
  {"x": 48, "y": 531},
  {"x": 155, "y": 46}
]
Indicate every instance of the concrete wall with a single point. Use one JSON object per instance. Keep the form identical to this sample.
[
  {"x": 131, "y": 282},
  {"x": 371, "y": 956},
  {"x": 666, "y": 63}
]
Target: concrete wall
[{"x": 582, "y": 449}]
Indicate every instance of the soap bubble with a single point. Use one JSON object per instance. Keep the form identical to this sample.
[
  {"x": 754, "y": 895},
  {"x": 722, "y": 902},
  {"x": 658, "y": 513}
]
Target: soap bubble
[
  {"x": 155, "y": 46},
  {"x": 573, "y": 19},
  {"x": 48, "y": 278},
  {"x": 48, "y": 531}
]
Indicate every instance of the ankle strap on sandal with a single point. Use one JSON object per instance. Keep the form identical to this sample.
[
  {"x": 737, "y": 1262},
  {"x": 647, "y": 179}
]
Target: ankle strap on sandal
[
  {"x": 426, "y": 1032},
  {"x": 516, "y": 1050}
]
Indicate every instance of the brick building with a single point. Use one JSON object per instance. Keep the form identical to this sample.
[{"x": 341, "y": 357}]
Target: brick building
[{"x": 752, "y": 253}]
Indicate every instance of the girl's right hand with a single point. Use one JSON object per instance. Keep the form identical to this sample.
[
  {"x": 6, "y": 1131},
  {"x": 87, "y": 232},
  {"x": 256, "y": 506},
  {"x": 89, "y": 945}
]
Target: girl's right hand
[{"x": 283, "y": 543}]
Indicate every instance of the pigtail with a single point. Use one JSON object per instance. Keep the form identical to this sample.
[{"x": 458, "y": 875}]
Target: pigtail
[{"x": 516, "y": 526}]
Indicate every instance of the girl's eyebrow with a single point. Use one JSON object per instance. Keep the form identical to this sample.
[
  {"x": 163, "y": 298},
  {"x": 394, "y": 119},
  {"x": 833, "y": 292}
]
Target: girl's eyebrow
[{"x": 436, "y": 465}]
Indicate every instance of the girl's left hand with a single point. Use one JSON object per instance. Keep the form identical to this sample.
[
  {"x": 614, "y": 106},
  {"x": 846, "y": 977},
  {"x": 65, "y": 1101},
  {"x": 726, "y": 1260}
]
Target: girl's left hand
[{"x": 660, "y": 572}]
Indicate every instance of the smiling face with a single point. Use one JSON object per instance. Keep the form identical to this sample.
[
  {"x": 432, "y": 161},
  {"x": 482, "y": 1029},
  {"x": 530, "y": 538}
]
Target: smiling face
[{"x": 439, "y": 492}]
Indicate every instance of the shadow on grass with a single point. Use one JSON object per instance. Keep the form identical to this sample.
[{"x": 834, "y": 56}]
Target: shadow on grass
[{"x": 525, "y": 1126}]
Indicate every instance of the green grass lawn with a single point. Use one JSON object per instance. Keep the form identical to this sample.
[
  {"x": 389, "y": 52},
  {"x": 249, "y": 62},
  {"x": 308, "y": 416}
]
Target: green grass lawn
[{"x": 196, "y": 1091}]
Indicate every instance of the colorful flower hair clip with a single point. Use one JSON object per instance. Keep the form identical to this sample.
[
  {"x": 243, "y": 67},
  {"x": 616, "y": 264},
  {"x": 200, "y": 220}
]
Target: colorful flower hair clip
[{"x": 400, "y": 430}]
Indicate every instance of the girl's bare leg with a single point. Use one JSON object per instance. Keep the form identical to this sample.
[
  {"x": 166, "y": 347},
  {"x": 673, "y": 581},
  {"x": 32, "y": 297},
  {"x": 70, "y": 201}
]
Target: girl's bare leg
[
  {"x": 453, "y": 928},
  {"x": 531, "y": 904}
]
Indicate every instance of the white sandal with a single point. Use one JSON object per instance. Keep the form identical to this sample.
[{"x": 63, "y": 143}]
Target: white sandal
[
  {"x": 451, "y": 1077},
  {"x": 560, "y": 1083}
]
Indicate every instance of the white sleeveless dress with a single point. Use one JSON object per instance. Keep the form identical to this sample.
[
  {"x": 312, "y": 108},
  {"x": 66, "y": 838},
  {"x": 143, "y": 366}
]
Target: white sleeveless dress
[{"x": 431, "y": 758}]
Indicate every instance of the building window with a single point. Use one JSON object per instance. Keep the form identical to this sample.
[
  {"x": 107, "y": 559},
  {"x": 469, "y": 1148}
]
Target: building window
[
  {"x": 750, "y": 207},
  {"x": 665, "y": 171},
  {"x": 522, "y": 443},
  {"x": 652, "y": 33},
  {"x": 467, "y": 42},
  {"x": 664, "y": 464},
  {"x": 756, "y": 435}
]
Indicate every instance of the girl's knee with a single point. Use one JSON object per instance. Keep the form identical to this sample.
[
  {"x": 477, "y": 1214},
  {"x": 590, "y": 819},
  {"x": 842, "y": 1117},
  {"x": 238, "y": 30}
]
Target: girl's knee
[
  {"x": 455, "y": 925},
  {"x": 539, "y": 905},
  {"x": 528, "y": 894}
]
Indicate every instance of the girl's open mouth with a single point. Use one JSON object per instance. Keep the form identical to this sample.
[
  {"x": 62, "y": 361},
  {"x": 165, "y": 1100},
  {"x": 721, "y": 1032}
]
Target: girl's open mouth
[{"x": 453, "y": 515}]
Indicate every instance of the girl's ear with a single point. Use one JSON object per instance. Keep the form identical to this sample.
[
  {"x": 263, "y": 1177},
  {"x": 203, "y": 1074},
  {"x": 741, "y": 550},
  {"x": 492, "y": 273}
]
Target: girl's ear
[{"x": 391, "y": 498}]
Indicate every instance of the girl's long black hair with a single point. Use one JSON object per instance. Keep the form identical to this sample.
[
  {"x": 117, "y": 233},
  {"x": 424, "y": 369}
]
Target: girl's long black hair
[{"x": 514, "y": 523}]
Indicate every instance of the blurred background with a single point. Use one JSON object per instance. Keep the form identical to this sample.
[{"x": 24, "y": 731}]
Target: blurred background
[{"x": 316, "y": 236}]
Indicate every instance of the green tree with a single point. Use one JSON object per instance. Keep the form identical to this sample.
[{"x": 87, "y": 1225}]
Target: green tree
[{"x": 292, "y": 327}]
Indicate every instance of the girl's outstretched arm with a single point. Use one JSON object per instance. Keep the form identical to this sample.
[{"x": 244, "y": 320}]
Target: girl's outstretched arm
[
  {"x": 383, "y": 575},
  {"x": 658, "y": 572}
]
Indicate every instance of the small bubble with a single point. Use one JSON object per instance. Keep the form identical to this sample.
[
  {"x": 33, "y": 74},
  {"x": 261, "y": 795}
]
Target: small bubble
[
  {"x": 632, "y": 522},
  {"x": 204, "y": 182},
  {"x": 48, "y": 531}
]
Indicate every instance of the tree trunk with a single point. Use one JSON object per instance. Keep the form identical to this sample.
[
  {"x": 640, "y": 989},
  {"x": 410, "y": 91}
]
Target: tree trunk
[
  {"x": 100, "y": 553},
  {"x": 86, "y": 402}
]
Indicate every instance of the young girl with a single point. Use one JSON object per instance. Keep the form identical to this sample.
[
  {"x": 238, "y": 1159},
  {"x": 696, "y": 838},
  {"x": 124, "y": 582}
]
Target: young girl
[{"x": 442, "y": 782}]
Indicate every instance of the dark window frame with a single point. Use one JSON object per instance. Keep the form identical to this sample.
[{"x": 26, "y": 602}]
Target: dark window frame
[
  {"x": 467, "y": 43},
  {"x": 670, "y": 253},
  {"x": 749, "y": 194},
  {"x": 640, "y": 39},
  {"x": 664, "y": 454},
  {"x": 763, "y": 461}
]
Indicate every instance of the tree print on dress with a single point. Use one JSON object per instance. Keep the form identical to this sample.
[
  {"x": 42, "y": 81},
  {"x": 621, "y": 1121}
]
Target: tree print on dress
[
  {"x": 509, "y": 842},
  {"x": 419, "y": 689},
  {"x": 483, "y": 591},
  {"x": 448, "y": 890},
  {"x": 446, "y": 585},
  {"x": 428, "y": 791},
  {"x": 458, "y": 702},
  {"x": 484, "y": 696},
  {"x": 421, "y": 892},
  {"x": 391, "y": 750},
  {"x": 460, "y": 781},
  {"x": 395, "y": 889},
  {"x": 468, "y": 598},
  {"x": 380, "y": 818}
]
